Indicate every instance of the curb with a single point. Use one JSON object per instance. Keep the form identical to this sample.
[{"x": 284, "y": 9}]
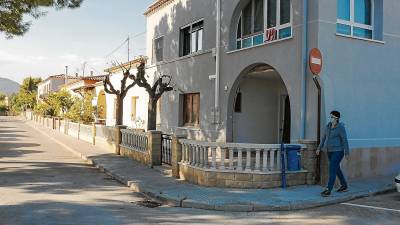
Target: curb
[{"x": 232, "y": 207}]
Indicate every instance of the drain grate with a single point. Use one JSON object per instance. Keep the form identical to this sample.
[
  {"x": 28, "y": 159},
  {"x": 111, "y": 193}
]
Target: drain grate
[{"x": 148, "y": 204}]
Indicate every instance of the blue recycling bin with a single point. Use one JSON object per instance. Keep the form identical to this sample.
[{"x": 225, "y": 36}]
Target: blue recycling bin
[{"x": 293, "y": 157}]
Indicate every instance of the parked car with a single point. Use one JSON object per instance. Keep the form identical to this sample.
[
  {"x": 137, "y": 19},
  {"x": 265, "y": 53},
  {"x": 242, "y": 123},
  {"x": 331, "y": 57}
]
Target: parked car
[{"x": 397, "y": 180}]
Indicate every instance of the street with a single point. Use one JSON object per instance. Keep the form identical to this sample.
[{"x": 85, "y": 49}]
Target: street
[{"x": 42, "y": 183}]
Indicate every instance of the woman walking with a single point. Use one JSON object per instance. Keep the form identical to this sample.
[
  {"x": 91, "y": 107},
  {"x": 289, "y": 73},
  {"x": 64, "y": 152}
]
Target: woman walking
[{"x": 334, "y": 141}]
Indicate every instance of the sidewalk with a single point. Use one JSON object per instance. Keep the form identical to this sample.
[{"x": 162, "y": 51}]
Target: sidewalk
[{"x": 182, "y": 194}]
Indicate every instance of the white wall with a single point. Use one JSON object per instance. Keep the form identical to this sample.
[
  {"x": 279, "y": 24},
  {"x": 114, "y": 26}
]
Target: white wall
[{"x": 141, "y": 104}]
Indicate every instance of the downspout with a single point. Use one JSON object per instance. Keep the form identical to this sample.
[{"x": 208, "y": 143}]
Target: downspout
[
  {"x": 304, "y": 71},
  {"x": 217, "y": 63}
]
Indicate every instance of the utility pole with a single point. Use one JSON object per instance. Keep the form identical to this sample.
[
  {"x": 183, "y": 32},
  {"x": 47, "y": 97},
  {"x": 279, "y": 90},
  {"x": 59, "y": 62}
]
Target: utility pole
[
  {"x": 83, "y": 68},
  {"x": 66, "y": 74},
  {"x": 128, "y": 48}
]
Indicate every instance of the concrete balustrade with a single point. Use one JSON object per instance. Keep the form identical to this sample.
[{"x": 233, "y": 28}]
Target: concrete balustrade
[
  {"x": 235, "y": 165},
  {"x": 144, "y": 147},
  {"x": 242, "y": 157},
  {"x": 134, "y": 140}
]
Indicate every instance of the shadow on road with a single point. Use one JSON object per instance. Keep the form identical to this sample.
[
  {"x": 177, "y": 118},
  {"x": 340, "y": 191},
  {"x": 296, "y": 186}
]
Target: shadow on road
[
  {"x": 15, "y": 149},
  {"x": 11, "y": 135},
  {"x": 57, "y": 212},
  {"x": 13, "y": 144},
  {"x": 54, "y": 177},
  {"x": 11, "y": 131}
]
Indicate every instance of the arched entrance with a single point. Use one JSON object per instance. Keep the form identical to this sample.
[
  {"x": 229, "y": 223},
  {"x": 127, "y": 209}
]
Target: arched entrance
[
  {"x": 259, "y": 107},
  {"x": 102, "y": 106}
]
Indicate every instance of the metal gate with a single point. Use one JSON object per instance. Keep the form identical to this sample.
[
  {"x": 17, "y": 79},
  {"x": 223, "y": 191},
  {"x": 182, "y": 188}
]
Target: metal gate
[{"x": 166, "y": 149}]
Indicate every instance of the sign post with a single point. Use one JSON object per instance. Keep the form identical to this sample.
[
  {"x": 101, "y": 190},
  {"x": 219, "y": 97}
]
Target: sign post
[{"x": 315, "y": 62}]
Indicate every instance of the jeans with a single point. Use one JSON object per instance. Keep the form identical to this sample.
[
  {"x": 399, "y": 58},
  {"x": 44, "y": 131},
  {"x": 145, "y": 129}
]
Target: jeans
[{"x": 334, "y": 169}]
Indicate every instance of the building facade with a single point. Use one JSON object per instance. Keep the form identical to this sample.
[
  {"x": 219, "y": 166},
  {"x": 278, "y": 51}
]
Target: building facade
[
  {"x": 241, "y": 75},
  {"x": 53, "y": 84},
  {"x": 135, "y": 101}
]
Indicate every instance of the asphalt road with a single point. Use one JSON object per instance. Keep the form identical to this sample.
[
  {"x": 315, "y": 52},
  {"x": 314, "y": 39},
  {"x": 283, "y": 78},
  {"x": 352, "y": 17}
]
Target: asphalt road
[{"x": 42, "y": 183}]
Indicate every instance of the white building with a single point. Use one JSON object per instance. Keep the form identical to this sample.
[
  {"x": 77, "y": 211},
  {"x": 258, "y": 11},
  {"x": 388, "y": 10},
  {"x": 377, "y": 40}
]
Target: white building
[
  {"x": 135, "y": 102},
  {"x": 53, "y": 84}
]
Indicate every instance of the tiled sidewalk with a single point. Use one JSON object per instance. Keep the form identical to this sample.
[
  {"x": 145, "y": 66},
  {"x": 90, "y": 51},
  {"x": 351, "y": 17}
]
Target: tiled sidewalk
[{"x": 182, "y": 194}]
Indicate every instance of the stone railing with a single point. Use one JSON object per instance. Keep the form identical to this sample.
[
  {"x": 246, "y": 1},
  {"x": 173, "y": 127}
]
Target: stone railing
[
  {"x": 246, "y": 158},
  {"x": 144, "y": 147},
  {"x": 134, "y": 140},
  {"x": 238, "y": 165}
]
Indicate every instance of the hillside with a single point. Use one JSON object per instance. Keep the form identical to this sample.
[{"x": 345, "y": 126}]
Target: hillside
[{"x": 8, "y": 86}]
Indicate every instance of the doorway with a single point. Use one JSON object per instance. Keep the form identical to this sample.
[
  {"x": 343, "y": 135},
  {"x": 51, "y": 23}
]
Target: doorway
[{"x": 261, "y": 108}]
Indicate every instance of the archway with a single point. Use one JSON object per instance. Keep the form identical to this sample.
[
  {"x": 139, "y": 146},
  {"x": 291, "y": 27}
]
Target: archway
[
  {"x": 259, "y": 107},
  {"x": 102, "y": 106}
]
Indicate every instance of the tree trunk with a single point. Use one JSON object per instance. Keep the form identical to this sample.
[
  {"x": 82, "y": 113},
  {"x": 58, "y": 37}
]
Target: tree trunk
[
  {"x": 152, "y": 115},
  {"x": 119, "y": 111}
]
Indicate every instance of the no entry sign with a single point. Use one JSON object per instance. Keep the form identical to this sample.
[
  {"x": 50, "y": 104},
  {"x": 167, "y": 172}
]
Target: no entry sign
[{"x": 315, "y": 61}]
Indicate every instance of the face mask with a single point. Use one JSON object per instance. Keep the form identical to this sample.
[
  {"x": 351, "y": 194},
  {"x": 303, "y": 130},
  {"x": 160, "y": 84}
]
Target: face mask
[{"x": 334, "y": 120}]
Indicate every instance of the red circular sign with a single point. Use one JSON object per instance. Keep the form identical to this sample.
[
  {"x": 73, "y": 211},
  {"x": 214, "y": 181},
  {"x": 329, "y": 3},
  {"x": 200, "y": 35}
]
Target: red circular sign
[{"x": 315, "y": 61}]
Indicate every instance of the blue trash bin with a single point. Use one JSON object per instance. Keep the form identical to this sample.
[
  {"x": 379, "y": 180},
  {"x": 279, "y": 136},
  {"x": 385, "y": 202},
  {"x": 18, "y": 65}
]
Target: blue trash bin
[{"x": 293, "y": 157}]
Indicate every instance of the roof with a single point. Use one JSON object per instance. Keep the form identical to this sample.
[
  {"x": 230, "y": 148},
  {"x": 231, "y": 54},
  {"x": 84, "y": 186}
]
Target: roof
[
  {"x": 158, "y": 4},
  {"x": 132, "y": 64},
  {"x": 59, "y": 76},
  {"x": 98, "y": 78}
]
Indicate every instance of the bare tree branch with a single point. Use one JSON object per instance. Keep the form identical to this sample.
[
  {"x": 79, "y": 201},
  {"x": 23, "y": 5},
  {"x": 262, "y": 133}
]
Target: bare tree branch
[
  {"x": 154, "y": 91},
  {"x": 109, "y": 87}
]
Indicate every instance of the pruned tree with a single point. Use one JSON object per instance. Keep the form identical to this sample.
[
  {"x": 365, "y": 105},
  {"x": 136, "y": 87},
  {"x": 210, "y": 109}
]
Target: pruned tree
[
  {"x": 161, "y": 85},
  {"x": 13, "y": 13},
  {"x": 120, "y": 94}
]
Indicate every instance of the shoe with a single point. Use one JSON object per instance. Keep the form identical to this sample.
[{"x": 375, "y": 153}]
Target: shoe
[
  {"x": 342, "y": 189},
  {"x": 326, "y": 193}
]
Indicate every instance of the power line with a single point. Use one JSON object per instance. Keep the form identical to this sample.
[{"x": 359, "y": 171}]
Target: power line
[
  {"x": 139, "y": 34},
  {"x": 125, "y": 41},
  {"x": 116, "y": 49},
  {"x": 93, "y": 68}
]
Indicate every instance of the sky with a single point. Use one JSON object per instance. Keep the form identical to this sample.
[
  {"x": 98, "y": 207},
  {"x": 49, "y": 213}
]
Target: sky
[{"x": 72, "y": 37}]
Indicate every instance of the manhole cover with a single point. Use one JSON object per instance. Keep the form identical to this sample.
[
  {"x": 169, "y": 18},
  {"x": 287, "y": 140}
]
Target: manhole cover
[{"x": 148, "y": 204}]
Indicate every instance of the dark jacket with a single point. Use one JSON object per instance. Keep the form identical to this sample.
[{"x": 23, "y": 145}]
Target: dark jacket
[{"x": 334, "y": 139}]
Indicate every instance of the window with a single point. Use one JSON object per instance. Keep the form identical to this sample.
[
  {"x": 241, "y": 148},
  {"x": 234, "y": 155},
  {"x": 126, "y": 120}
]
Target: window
[
  {"x": 133, "y": 108},
  {"x": 158, "y": 49},
  {"x": 273, "y": 15},
  {"x": 191, "y": 39},
  {"x": 191, "y": 109},
  {"x": 354, "y": 18}
]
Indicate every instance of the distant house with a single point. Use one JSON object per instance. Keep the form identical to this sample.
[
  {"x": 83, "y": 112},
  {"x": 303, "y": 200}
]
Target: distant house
[
  {"x": 53, "y": 84},
  {"x": 83, "y": 84}
]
